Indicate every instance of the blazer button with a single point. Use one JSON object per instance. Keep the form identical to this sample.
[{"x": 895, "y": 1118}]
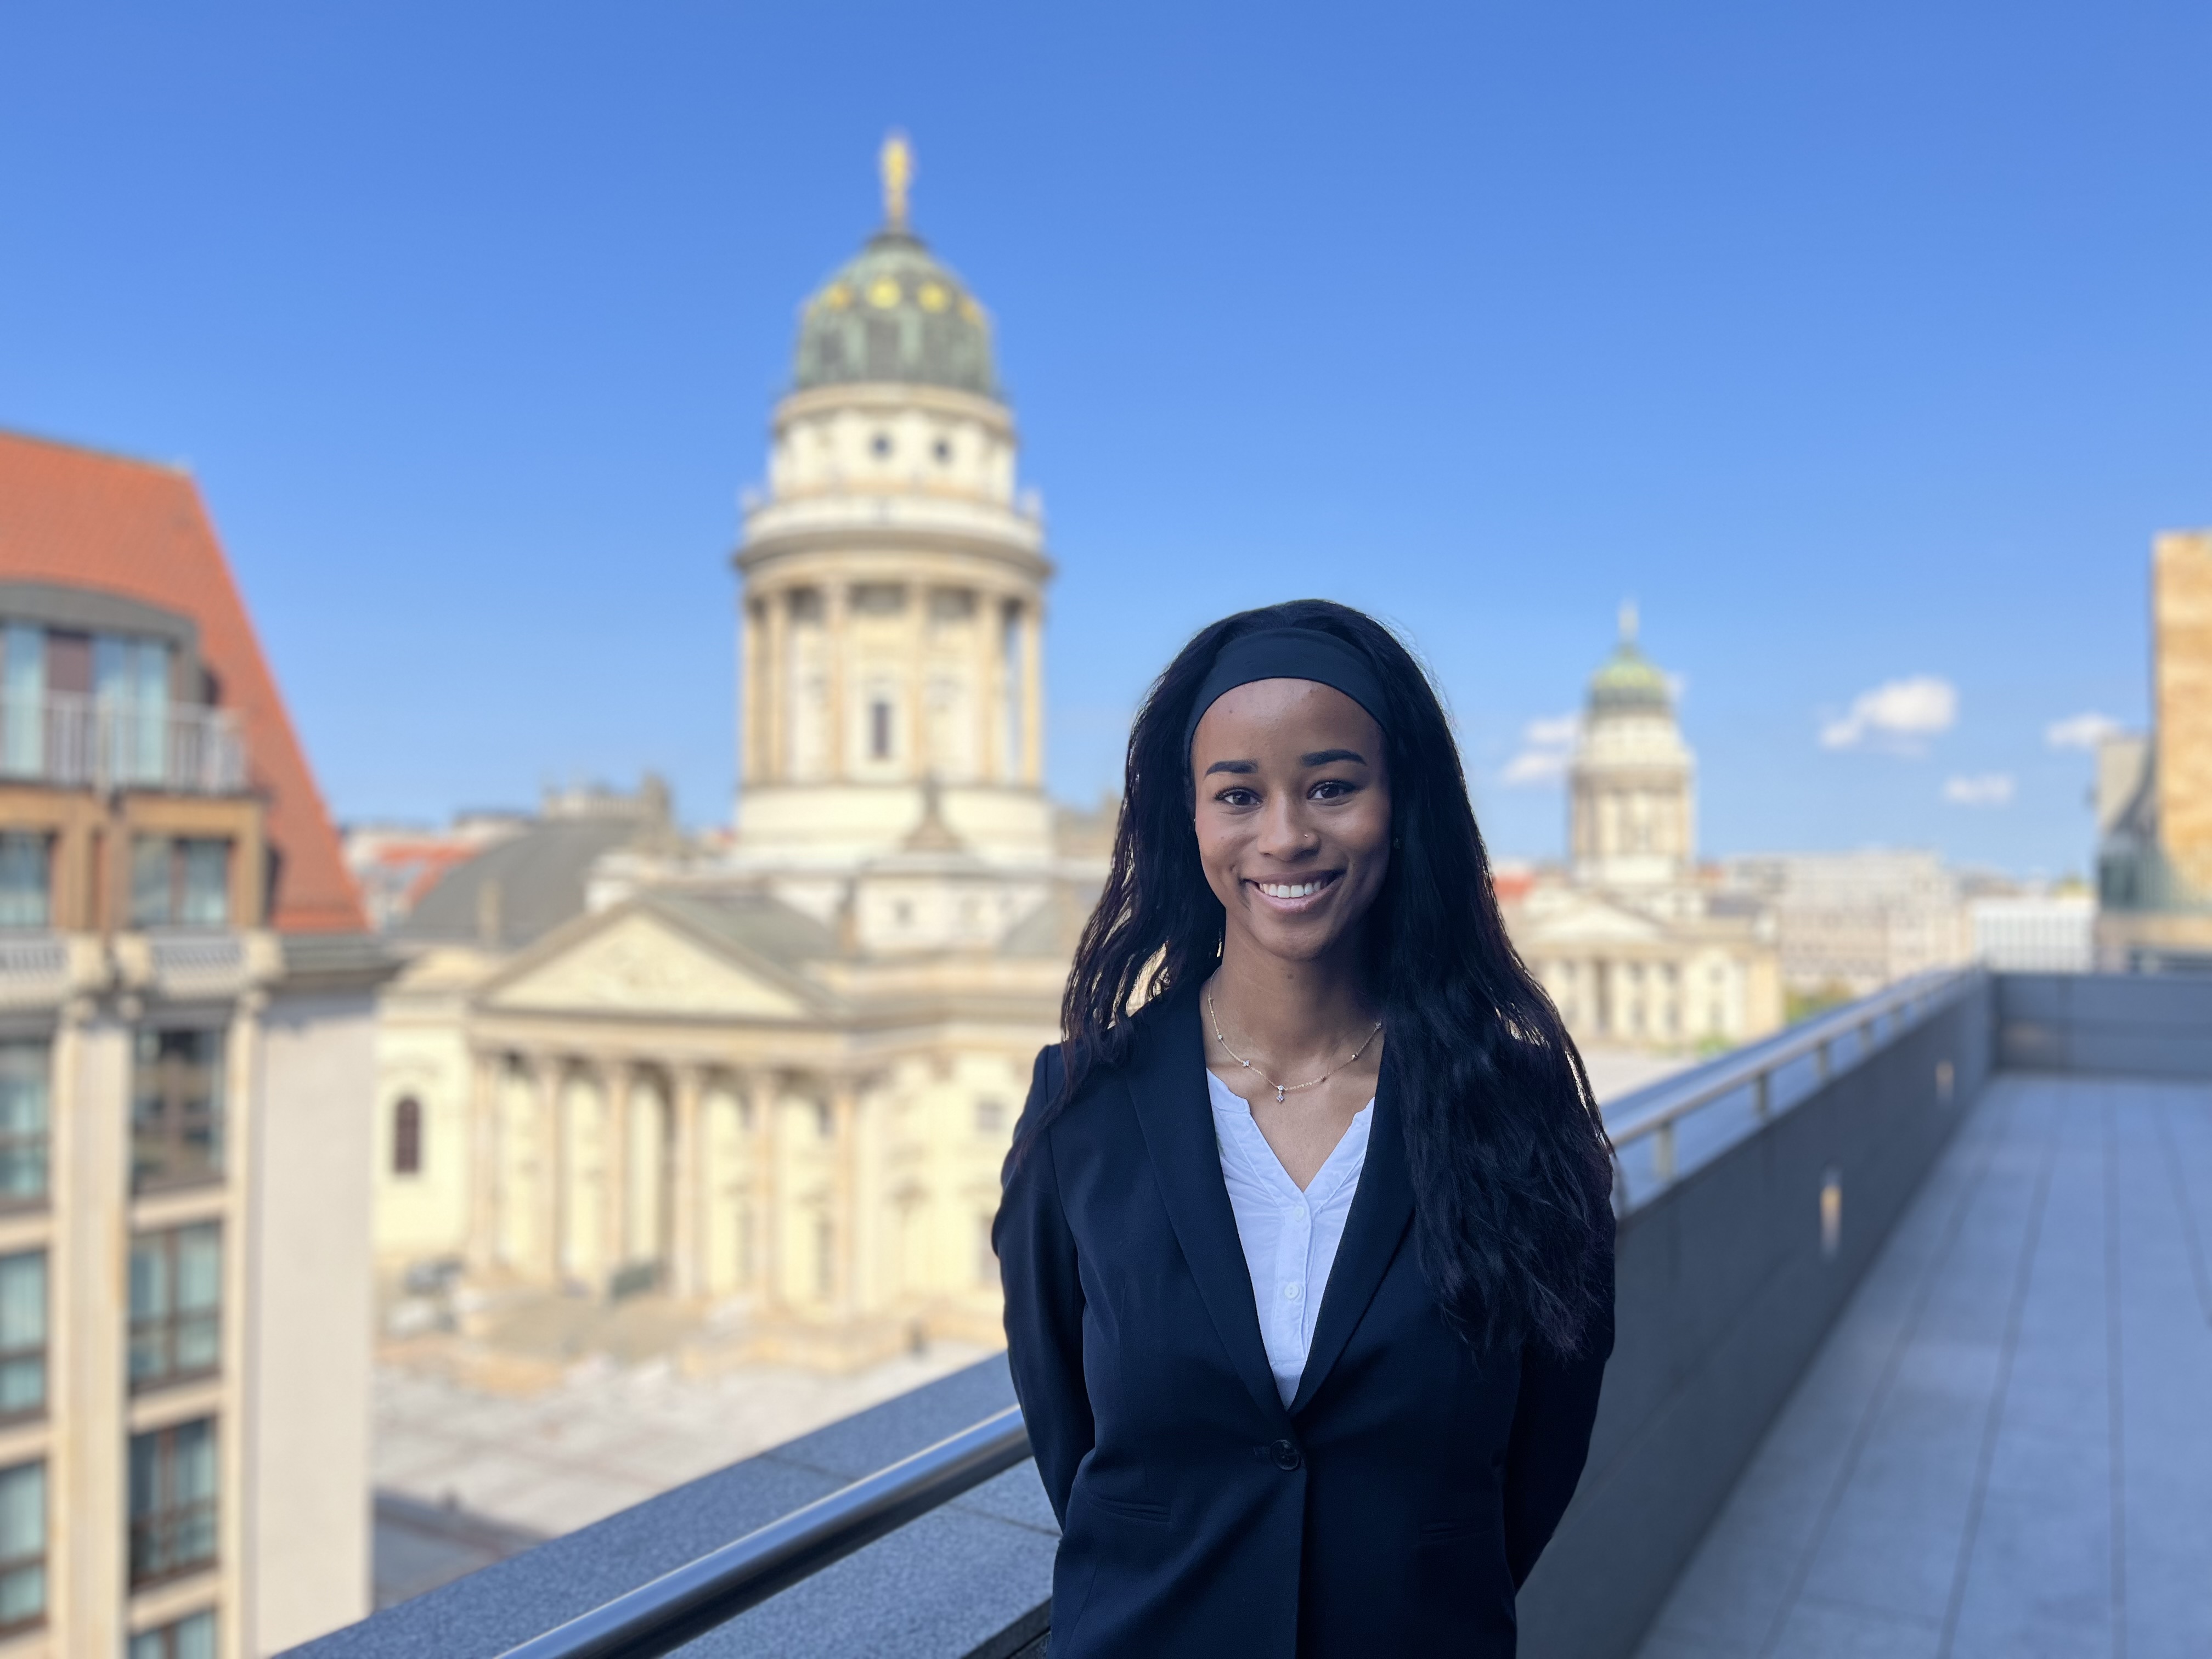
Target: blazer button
[{"x": 1286, "y": 1455}]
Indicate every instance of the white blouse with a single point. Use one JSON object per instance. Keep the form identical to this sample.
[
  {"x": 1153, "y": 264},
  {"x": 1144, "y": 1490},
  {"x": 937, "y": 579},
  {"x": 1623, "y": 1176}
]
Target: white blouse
[{"x": 1289, "y": 1238}]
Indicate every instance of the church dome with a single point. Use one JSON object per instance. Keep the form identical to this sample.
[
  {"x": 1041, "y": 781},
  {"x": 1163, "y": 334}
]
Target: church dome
[
  {"x": 1630, "y": 682},
  {"x": 894, "y": 312}
]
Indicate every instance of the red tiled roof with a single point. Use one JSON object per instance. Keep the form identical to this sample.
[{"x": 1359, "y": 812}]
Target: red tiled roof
[{"x": 83, "y": 519}]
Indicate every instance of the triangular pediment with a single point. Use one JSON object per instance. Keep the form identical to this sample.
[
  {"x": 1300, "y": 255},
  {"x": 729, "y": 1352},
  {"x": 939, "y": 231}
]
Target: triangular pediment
[
  {"x": 1577, "y": 919},
  {"x": 637, "y": 962}
]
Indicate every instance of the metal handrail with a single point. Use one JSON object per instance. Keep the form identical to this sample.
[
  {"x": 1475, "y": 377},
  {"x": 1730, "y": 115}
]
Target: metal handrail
[
  {"x": 1904, "y": 1003},
  {"x": 661, "y": 1616}
]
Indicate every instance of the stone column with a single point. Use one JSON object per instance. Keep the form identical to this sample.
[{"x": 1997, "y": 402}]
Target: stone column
[
  {"x": 844, "y": 1111},
  {"x": 552, "y": 1173},
  {"x": 683, "y": 1179},
  {"x": 920, "y": 761},
  {"x": 614, "y": 1205},
  {"x": 768, "y": 1219},
  {"x": 835, "y": 616},
  {"x": 1032, "y": 694},
  {"x": 776, "y": 684},
  {"x": 987, "y": 667},
  {"x": 749, "y": 682},
  {"x": 481, "y": 1247}
]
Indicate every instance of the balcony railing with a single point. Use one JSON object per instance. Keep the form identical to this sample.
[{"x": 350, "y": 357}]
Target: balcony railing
[
  {"x": 661, "y": 1616},
  {"x": 74, "y": 741}
]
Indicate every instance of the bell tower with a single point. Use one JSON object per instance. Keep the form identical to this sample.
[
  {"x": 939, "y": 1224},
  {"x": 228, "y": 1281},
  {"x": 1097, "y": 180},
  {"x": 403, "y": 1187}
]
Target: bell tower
[{"x": 893, "y": 602}]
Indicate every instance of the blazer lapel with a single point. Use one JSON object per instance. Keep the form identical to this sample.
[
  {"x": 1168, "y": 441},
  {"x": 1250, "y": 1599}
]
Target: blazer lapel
[
  {"x": 1382, "y": 1210},
  {"x": 1166, "y": 1080}
]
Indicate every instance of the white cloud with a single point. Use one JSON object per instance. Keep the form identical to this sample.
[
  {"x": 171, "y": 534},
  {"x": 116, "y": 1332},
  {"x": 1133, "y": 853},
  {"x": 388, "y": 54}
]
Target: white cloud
[
  {"x": 1557, "y": 733},
  {"x": 1983, "y": 789},
  {"x": 1899, "y": 714},
  {"x": 2084, "y": 730},
  {"x": 1549, "y": 745},
  {"x": 1535, "y": 766}
]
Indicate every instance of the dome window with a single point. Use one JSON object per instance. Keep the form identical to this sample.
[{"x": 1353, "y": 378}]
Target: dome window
[
  {"x": 944, "y": 452},
  {"x": 880, "y": 446}
]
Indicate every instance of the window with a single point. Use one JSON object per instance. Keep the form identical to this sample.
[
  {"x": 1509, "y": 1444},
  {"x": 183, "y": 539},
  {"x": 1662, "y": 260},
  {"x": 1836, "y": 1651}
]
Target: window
[
  {"x": 24, "y": 1067},
  {"x": 825, "y": 1124},
  {"x": 172, "y": 1488},
  {"x": 879, "y": 730},
  {"x": 181, "y": 882},
  {"x": 131, "y": 689},
  {"x": 407, "y": 1136},
  {"x": 22, "y": 700},
  {"x": 176, "y": 1108},
  {"x": 186, "y": 1638},
  {"x": 176, "y": 1305},
  {"x": 825, "y": 1257},
  {"x": 990, "y": 1116},
  {"x": 22, "y": 1334},
  {"x": 26, "y": 880},
  {"x": 943, "y": 452},
  {"x": 880, "y": 446},
  {"x": 22, "y": 1546}
]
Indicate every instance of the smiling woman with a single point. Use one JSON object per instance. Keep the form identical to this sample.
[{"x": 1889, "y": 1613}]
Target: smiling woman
[{"x": 1305, "y": 1237}]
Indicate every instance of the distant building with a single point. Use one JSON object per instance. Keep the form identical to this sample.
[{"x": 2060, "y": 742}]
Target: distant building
[
  {"x": 186, "y": 1000},
  {"x": 2034, "y": 932},
  {"x": 778, "y": 1073},
  {"x": 394, "y": 865},
  {"x": 1853, "y": 922},
  {"x": 1633, "y": 947},
  {"x": 2154, "y": 793}
]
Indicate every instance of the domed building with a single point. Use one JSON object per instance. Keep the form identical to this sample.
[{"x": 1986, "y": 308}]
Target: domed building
[
  {"x": 771, "y": 1076},
  {"x": 1636, "y": 948},
  {"x": 894, "y": 579},
  {"x": 1631, "y": 787}
]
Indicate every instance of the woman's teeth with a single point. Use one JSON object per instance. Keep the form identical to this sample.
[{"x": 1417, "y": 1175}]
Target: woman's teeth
[{"x": 1290, "y": 889}]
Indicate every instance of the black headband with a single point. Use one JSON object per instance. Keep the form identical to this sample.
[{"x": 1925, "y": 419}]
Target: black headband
[{"x": 1286, "y": 654}]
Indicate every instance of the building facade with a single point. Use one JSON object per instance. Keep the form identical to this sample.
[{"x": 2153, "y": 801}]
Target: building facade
[
  {"x": 1849, "y": 923},
  {"x": 2155, "y": 792},
  {"x": 773, "y": 1073},
  {"x": 1633, "y": 946},
  {"x": 187, "y": 1051}
]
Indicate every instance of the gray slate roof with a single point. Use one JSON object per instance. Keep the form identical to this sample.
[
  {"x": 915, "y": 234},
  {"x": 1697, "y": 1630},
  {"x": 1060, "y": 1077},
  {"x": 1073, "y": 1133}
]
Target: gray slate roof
[{"x": 538, "y": 876}]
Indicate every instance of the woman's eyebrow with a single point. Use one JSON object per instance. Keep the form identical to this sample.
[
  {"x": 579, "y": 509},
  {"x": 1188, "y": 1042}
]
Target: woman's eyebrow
[
  {"x": 1234, "y": 766},
  {"x": 1328, "y": 757}
]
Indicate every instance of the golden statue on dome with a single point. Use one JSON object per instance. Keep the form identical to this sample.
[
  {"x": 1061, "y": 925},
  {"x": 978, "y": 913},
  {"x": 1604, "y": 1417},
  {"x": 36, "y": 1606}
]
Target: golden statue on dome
[{"x": 896, "y": 161}]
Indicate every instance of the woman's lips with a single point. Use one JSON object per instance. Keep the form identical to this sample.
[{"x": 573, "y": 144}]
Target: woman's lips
[{"x": 1291, "y": 898}]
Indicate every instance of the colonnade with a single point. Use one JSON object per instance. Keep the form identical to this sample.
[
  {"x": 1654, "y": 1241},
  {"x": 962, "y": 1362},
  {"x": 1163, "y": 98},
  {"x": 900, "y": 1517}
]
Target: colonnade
[
  {"x": 587, "y": 1168},
  {"x": 1008, "y": 701}
]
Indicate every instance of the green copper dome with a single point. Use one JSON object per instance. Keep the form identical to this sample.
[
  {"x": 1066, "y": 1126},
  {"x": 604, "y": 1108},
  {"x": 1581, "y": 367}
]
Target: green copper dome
[
  {"x": 895, "y": 313},
  {"x": 1630, "y": 682}
]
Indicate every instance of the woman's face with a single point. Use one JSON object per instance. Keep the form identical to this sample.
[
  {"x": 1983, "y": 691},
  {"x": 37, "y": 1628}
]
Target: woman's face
[{"x": 1293, "y": 813}]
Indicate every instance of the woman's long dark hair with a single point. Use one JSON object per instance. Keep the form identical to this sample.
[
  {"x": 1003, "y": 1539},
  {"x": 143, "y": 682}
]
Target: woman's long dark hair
[{"x": 1509, "y": 1163}]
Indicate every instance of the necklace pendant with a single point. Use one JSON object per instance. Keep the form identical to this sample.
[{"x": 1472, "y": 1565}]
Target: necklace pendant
[{"x": 1279, "y": 1094}]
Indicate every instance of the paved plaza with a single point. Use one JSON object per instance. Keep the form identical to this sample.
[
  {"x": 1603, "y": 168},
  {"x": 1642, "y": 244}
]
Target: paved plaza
[
  {"x": 2003, "y": 1449},
  {"x": 464, "y": 1476}
]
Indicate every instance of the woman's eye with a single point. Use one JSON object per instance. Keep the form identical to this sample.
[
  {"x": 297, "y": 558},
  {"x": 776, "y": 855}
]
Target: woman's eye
[
  {"x": 1331, "y": 789},
  {"x": 1238, "y": 798}
]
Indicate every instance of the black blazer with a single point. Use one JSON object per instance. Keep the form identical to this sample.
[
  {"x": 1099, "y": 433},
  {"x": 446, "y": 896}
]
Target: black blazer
[{"x": 1393, "y": 1506}]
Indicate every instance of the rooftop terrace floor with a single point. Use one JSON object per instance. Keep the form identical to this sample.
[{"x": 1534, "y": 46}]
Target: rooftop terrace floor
[{"x": 2005, "y": 1447}]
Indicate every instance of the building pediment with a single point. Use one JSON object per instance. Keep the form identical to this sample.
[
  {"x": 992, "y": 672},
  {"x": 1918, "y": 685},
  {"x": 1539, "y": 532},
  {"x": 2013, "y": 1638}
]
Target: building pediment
[
  {"x": 1583, "y": 918},
  {"x": 637, "y": 961}
]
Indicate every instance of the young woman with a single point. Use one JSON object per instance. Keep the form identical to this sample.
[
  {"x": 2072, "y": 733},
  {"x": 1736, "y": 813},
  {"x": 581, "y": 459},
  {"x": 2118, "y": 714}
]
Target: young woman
[{"x": 1306, "y": 1233}]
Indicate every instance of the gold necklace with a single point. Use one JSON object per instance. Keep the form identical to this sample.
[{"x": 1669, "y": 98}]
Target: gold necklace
[{"x": 1280, "y": 1089}]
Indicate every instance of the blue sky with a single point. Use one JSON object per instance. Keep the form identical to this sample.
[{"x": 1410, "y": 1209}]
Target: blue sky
[{"x": 1864, "y": 346}]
